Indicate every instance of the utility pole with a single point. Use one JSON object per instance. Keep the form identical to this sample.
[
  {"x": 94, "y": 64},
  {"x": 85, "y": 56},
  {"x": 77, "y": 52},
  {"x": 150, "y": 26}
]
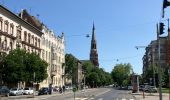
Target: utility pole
[{"x": 159, "y": 65}]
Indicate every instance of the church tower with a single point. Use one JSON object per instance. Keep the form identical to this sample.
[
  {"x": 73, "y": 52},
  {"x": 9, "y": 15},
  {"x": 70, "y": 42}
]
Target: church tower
[{"x": 93, "y": 50}]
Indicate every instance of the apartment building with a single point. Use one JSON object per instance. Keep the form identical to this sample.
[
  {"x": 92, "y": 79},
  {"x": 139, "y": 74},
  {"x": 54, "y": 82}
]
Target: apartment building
[
  {"x": 25, "y": 31},
  {"x": 151, "y": 57}
]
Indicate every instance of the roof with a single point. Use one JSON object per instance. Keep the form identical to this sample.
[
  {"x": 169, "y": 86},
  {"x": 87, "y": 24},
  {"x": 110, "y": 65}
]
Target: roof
[
  {"x": 30, "y": 19},
  {"x": 17, "y": 17}
]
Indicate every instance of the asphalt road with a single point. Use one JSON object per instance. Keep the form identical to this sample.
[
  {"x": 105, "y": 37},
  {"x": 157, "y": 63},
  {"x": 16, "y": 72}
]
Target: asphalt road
[{"x": 88, "y": 94}]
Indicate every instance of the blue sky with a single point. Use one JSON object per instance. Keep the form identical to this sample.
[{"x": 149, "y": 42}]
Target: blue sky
[{"x": 120, "y": 26}]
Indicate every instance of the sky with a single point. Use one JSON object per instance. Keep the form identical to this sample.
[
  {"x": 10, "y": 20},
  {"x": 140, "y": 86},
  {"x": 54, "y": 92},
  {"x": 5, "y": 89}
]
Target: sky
[{"x": 120, "y": 26}]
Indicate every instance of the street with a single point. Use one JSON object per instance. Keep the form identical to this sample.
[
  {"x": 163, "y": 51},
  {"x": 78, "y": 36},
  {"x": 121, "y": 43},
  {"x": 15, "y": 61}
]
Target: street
[{"x": 88, "y": 94}]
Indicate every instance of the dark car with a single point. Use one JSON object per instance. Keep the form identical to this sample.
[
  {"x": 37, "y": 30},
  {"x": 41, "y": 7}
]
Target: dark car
[
  {"x": 4, "y": 91},
  {"x": 43, "y": 91}
]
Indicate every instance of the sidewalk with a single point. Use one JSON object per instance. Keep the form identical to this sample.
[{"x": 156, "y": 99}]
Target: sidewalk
[{"x": 150, "y": 96}]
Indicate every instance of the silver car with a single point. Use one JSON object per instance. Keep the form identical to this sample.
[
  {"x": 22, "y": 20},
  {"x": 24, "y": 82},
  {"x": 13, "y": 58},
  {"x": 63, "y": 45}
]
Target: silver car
[{"x": 16, "y": 91}]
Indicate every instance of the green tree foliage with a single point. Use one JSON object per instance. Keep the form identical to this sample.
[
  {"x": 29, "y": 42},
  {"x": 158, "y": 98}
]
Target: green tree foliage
[
  {"x": 121, "y": 74},
  {"x": 20, "y": 66},
  {"x": 96, "y": 76},
  {"x": 35, "y": 66},
  {"x": 70, "y": 65}
]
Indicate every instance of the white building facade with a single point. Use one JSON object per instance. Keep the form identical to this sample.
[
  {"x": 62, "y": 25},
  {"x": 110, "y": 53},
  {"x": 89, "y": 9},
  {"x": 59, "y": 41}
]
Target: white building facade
[
  {"x": 53, "y": 53},
  {"x": 17, "y": 31}
]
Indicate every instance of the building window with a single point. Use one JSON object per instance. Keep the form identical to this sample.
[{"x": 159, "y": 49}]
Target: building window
[
  {"x": 49, "y": 56},
  {"x": 46, "y": 55},
  {"x": 29, "y": 38},
  {"x": 32, "y": 50},
  {"x": 5, "y": 44},
  {"x": 39, "y": 43},
  {"x": 28, "y": 49},
  {"x": 25, "y": 36},
  {"x": 0, "y": 43},
  {"x": 32, "y": 39},
  {"x": 11, "y": 45},
  {"x": 1, "y": 23},
  {"x": 11, "y": 29},
  {"x": 43, "y": 54},
  {"x": 24, "y": 47},
  {"x": 19, "y": 34},
  {"x": 6, "y": 26},
  {"x": 36, "y": 41}
]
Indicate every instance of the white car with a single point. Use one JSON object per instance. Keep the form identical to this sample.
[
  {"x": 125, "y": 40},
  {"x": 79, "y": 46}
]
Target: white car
[
  {"x": 28, "y": 90},
  {"x": 15, "y": 91}
]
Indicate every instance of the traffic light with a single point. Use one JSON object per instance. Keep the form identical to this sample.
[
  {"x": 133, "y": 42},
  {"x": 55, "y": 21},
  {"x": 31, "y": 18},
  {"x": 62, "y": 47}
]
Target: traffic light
[
  {"x": 161, "y": 28},
  {"x": 166, "y": 3}
]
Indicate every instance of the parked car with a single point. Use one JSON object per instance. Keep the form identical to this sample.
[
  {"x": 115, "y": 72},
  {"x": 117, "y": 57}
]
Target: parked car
[
  {"x": 43, "y": 91},
  {"x": 56, "y": 89},
  {"x": 28, "y": 90},
  {"x": 4, "y": 91},
  {"x": 130, "y": 87},
  {"x": 151, "y": 89},
  {"x": 141, "y": 87},
  {"x": 16, "y": 91}
]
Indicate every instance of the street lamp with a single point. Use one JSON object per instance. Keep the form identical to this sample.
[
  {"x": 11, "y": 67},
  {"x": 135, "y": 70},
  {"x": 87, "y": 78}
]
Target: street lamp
[{"x": 153, "y": 65}]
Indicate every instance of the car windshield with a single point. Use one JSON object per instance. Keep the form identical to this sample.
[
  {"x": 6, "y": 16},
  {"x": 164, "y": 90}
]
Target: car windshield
[
  {"x": 44, "y": 88},
  {"x": 26, "y": 88},
  {"x": 14, "y": 89}
]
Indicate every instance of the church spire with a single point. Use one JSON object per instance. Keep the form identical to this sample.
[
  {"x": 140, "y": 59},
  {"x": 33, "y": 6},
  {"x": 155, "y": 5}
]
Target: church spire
[{"x": 93, "y": 51}]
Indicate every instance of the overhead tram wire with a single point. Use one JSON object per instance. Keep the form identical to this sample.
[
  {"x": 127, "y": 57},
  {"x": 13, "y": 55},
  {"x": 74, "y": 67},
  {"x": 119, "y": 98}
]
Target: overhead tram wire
[{"x": 118, "y": 59}]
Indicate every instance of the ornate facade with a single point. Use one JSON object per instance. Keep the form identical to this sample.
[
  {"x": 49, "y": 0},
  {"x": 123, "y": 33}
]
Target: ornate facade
[{"x": 26, "y": 32}]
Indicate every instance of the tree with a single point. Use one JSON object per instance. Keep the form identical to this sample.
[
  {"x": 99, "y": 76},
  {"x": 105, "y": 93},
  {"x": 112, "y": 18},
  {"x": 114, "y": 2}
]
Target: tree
[
  {"x": 96, "y": 76},
  {"x": 35, "y": 66},
  {"x": 121, "y": 74},
  {"x": 20, "y": 66},
  {"x": 71, "y": 67},
  {"x": 13, "y": 67}
]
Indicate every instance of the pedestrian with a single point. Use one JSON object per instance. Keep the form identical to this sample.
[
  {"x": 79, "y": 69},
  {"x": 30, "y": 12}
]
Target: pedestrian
[
  {"x": 60, "y": 89},
  {"x": 63, "y": 88}
]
